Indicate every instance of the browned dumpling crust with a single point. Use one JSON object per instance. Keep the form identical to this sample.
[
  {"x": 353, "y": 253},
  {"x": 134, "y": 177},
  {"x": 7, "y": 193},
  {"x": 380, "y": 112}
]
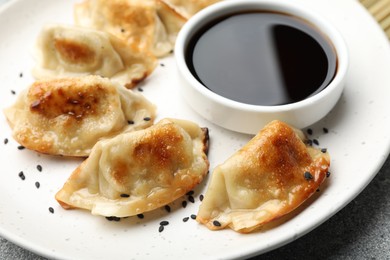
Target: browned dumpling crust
[
  {"x": 269, "y": 177},
  {"x": 68, "y": 116},
  {"x": 139, "y": 171},
  {"x": 149, "y": 25},
  {"x": 65, "y": 50}
]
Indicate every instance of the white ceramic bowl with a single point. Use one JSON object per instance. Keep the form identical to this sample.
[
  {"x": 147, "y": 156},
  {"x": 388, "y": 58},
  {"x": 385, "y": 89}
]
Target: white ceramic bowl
[{"x": 247, "y": 118}]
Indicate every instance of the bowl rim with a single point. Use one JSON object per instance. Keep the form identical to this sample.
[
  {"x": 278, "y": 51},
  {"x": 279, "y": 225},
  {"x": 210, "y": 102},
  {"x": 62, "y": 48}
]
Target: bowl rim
[{"x": 287, "y": 6}]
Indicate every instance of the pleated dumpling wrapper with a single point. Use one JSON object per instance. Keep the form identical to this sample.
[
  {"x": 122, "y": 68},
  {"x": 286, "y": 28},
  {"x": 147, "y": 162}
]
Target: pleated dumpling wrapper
[
  {"x": 149, "y": 25},
  {"x": 139, "y": 171},
  {"x": 68, "y": 116},
  {"x": 188, "y": 8},
  {"x": 65, "y": 50},
  {"x": 269, "y": 177}
]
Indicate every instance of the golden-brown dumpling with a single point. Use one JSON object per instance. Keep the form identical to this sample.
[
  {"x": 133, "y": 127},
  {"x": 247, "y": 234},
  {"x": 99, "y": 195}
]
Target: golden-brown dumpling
[
  {"x": 269, "y": 177},
  {"x": 68, "y": 116},
  {"x": 188, "y": 8},
  {"x": 147, "y": 25},
  {"x": 171, "y": 20},
  {"x": 139, "y": 171},
  {"x": 64, "y": 50}
]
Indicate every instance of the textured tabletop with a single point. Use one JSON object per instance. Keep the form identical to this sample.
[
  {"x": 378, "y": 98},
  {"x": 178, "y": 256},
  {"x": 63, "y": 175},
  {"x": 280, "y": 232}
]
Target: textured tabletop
[{"x": 359, "y": 231}]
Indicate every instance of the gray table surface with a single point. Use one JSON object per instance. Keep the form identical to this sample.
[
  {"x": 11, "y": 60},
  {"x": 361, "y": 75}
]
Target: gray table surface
[{"x": 359, "y": 231}]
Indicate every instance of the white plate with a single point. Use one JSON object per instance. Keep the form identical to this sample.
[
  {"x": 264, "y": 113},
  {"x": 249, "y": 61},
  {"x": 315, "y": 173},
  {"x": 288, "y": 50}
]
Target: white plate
[{"x": 358, "y": 141}]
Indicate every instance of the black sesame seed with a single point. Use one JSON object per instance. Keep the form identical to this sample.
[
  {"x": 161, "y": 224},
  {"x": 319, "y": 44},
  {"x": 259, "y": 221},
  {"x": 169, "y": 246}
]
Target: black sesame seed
[
  {"x": 308, "y": 176},
  {"x": 147, "y": 118},
  {"x": 327, "y": 174},
  {"x": 21, "y": 147},
  {"x": 316, "y": 142},
  {"x": 125, "y": 195},
  {"x": 21, "y": 176},
  {"x": 141, "y": 216},
  {"x": 324, "y": 150},
  {"x": 309, "y": 131},
  {"x": 130, "y": 122},
  {"x": 186, "y": 219},
  {"x": 162, "y": 64},
  {"x": 193, "y": 216},
  {"x": 216, "y": 223},
  {"x": 191, "y": 192},
  {"x": 325, "y": 130},
  {"x": 161, "y": 229},
  {"x": 13, "y": 92},
  {"x": 140, "y": 89},
  {"x": 6, "y": 141},
  {"x": 164, "y": 223},
  {"x": 51, "y": 210},
  {"x": 39, "y": 167},
  {"x": 318, "y": 190},
  {"x": 309, "y": 142},
  {"x": 167, "y": 208},
  {"x": 21, "y": 75},
  {"x": 184, "y": 204},
  {"x": 37, "y": 184},
  {"x": 191, "y": 199},
  {"x": 113, "y": 218},
  {"x": 201, "y": 197}
]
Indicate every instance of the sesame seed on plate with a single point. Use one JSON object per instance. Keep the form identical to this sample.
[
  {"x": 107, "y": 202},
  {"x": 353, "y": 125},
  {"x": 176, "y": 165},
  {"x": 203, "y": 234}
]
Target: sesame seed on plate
[
  {"x": 160, "y": 229},
  {"x": 21, "y": 175},
  {"x": 164, "y": 223},
  {"x": 191, "y": 199}
]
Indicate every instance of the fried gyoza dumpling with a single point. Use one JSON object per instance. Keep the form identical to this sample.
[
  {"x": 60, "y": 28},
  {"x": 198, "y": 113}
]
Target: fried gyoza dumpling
[
  {"x": 68, "y": 116},
  {"x": 63, "y": 50},
  {"x": 148, "y": 25},
  {"x": 139, "y": 171},
  {"x": 269, "y": 177},
  {"x": 188, "y": 8}
]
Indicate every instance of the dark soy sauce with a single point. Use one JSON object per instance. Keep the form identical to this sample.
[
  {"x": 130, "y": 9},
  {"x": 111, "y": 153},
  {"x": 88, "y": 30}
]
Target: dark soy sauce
[{"x": 262, "y": 58}]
